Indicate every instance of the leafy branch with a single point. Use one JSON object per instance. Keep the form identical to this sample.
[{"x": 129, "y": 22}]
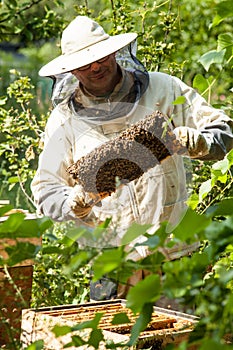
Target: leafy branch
[
  {"x": 14, "y": 5},
  {"x": 21, "y": 133}
]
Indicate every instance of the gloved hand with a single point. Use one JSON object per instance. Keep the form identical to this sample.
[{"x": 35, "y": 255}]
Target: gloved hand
[
  {"x": 81, "y": 202},
  {"x": 195, "y": 142}
]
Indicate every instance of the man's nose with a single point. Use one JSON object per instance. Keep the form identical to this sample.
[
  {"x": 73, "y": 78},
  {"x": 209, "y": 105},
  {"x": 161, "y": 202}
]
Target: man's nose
[{"x": 95, "y": 66}]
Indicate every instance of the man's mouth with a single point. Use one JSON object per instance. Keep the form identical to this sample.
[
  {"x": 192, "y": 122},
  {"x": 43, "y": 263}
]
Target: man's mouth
[{"x": 98, "y": 76}]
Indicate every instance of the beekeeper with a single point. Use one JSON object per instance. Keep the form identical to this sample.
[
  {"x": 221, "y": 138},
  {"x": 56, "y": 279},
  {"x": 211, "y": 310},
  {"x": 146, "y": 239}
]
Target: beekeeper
[{"x": 101, "y": 88}]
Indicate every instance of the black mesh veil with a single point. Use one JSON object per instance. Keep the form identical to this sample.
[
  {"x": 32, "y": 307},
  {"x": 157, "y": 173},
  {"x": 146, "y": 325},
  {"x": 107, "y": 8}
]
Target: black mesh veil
[{"x": 65, "y": 84}]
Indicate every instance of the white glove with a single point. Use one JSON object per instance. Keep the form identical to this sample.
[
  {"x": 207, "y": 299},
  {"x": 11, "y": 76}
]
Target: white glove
[
  {"x": 81, "y": 202},
  {"x": 195, "y": 142}
]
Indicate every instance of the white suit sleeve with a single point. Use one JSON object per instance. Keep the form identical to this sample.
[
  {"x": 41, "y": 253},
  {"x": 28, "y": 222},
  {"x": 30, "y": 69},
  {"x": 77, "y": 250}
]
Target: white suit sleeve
[
  {"x": 52, "y": 187},
  {"x": 212, "y": 124}
]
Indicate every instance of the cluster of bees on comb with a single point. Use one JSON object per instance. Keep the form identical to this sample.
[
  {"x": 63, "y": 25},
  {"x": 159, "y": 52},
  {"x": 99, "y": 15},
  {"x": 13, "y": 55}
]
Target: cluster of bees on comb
[{"x": 127, "y": 156}]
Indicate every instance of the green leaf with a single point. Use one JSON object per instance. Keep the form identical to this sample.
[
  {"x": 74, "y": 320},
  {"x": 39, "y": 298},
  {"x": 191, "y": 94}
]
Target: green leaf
[
  {"x": 17, "y": 227},
  {"x": 225, "y": 275},
  {"x": 5, "y": 209},
  {"x": 223, "y": 208},
  {"x": 211, "y": 57},
  {"x": 216, "y": 21},
  {"x": 52, "y": 250},
  {"x": 225, "y": 9},
  {"x": 223, "y": 178},
  {"x": 28, "y": 228},
  {"x": 141, "y": 323},
  {"x": 152, "y": 241},
  {"x": 153, "y": 261},
  {"x": 219, "y": 171},
  {"x": 44, "y": 223},
  {"x": 179, "y": 100},
  {"x": 211, "y": 344},
  {"x": 120, "y": 318},
  {"x": 205, "y": 188},
  {"x": 145, "y": 291},
  {"x": 193, "y": 201},
  {"x": 13, "y": 3},
  {"x": 222, "y": 165},
  {"x": 13, "y": 179},
  {"x": 61, "y": 330},
  {"x": 89, "y": 324},
  {"x": 73, "y": 235},
  {"x": 219, "y": 234},
  {"x": 133, "y": 232},
  {"x": 37, "y": 345},
  {"x": 3, "y": 101},
  {"x": 200, "y": 83},
  {"x": 95, "y": 338},
  {"x": 77, "y": 341},
  {"x": 191, "y": 224},
  {"x": 76, "y": 261},
  {"x": 107, "y": 262},
  {"x": 229, "y": 156},
  {"x": 158, "y": 238},
  {"x": 104, "y": 224},
  {"x": 225, "y": 41},
  {"x": 11, "y": 224},
  {"x": 20, "y": 252}
]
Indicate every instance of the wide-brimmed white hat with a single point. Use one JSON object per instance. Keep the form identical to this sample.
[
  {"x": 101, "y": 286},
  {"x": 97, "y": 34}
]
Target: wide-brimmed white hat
[{"x": 84, "y": 41}]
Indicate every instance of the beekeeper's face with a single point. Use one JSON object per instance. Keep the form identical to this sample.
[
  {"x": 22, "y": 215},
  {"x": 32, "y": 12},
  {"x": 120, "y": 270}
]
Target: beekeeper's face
[{"x": 100, "y": 77}]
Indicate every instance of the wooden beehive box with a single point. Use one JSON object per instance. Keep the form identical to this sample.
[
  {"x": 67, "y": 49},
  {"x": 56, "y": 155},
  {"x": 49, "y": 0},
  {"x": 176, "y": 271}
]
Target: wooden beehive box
[
  {"x": 15, "y": 288},
  {"x": 11, "y": 303},
  {"x": 166, "y": 326}
]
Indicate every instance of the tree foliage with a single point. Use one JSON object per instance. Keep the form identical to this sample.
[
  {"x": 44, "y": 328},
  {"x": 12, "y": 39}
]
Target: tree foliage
[{"x": 22, "y": 23}]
